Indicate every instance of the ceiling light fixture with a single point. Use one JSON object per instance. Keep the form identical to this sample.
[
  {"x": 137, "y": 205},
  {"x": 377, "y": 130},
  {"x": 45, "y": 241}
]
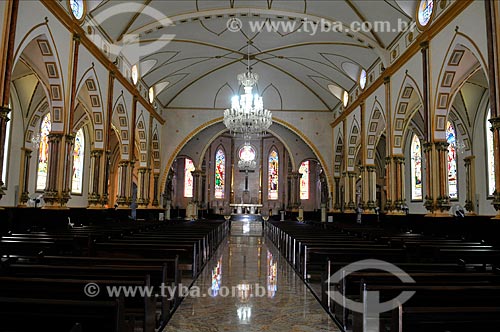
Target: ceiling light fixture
[{"x": 247, "y": 115}]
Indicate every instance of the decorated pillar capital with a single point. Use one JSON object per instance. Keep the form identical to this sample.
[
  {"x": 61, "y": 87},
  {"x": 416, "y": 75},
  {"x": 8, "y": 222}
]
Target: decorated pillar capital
[
  {"x": 4, "y": 113},
  {"x": 55, "y": 137},
  {"x": 495, "y": 123},
  {"x": 442, "y": 145}
]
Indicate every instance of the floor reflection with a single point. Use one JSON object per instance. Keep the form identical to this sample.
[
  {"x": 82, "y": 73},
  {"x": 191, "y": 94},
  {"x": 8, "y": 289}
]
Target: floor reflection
[{"x": 248, "y": 286}]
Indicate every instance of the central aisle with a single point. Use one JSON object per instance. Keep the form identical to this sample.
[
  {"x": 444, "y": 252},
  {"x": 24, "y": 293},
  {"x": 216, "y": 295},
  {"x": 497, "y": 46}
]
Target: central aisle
[{"x": 248, "y": 286}]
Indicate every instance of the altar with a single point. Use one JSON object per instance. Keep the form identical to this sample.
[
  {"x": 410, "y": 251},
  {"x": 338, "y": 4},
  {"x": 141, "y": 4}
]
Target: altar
[{"x": 241, "y": 208}]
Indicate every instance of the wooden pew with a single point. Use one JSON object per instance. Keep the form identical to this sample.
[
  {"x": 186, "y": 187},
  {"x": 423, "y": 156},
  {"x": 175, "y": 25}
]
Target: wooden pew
[{"x": 30, "y": 314}]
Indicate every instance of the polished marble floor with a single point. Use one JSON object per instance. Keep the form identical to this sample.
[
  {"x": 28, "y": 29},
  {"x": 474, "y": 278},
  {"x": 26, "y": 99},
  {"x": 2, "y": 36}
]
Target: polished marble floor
[{"x": 248, "y": 286}]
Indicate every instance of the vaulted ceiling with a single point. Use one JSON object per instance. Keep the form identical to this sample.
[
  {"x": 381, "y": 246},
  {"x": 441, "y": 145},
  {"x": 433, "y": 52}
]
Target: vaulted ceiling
[{"x": 190, "y": 53}]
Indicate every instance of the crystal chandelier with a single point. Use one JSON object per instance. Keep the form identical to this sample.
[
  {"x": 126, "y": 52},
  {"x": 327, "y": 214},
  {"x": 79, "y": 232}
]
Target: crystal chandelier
[{"x": 247, "y": 115}]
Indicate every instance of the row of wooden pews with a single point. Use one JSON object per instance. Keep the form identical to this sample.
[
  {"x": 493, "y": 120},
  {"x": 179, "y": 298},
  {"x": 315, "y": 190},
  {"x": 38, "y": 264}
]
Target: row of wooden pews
[
  {"x": 456, "y": 280},
  {"x": 48, "y": 279}
]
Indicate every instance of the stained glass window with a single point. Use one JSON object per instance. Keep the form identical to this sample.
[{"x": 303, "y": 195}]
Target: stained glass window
[
  {"x": 490, "y": 156},
  {"x": 273, "y": 175},
  {"x": 43, "y": 153},
  {"x": 220, "y": 173},
  {"x": 451, "y": 138},
  {"x": 304, "y": 180},
  {"x": 78, "y": 155},
  {"x": 416, "y": 168},
  {"x": 188, "y": 178},
  {"x": 6, "y": 152},
  {"x": 77, "y": 8}
]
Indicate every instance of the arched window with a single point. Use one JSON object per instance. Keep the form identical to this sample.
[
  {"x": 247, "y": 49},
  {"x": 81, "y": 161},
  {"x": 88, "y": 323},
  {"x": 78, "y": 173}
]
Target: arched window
[
  {"x": 188, "y": 178},
  {"x": 273, "y": 175},
  {"x": 490, "y": 156},
  {"x": 416, "y": 168},
  {"x": 304, "y": 180},
  {"x": 451, "y": 138},
  {"x": 220, "y": 173},
  {"x": 6, "y": 152},
  {"x": 78, "y": 155},
  {"x": 43, "y": 153}
]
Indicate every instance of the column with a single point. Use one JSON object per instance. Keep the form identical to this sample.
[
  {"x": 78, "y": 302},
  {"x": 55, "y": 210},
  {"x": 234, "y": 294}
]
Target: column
[
  {"x": 128, "y": 184},
  {"x": 389, "y": 185},
  {"x": 493, "y": 37},
  {"x": 197, "y": 185},
  {"x": 25, "y": 177},
  {"x": 364, "y": 188},
  {"x": 345, "y": 181},
  {"x": 389, "y": 161},
  {"x": 106, "y": 161},
  {"x": 6, "y": 64},
  {"x": 336, "y": 203},
  {"x": 156, "y": 177},
  {"x": 94, "y": 197},
  {"x": 372, "y": 187},
  {"x": 399, "y": 190},
  {"x": 51, "y": 195},
  {"x": 495, "y": 123},
  {"x": 69, "y": 141},
  {"x": 141, "y": 188},
  {"x": 470, "y": 178},
  {"x": 105, "y": 166},
  {"x": 428, "y": 149},
  {"x": 4, "y": 118},
  {"x": 296, "y": 189},
  {"x": 443, "y": 199},
  {"x": 351, "y": 190},
  {"x": 121, "y": 199}
]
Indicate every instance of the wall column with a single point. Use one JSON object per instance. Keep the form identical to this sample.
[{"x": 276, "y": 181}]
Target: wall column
[
  {"x": 4, "y": 118},
  {"x": 495, "y": 123},
  {"x": 470, "y": 171},
  {"x": 437, "y": 200},
  {"x": 372, "y": 187},
  {"x": 428, "y": 149},
  {"x": 25, "y": 177},
  {"x": 350, "y": 190},
  {"x": 94, "y": 197},
  {"x": 493, "y": 38},
  {"x": 364, "y": 188},
  {"x": 122, "y": 184},
  {"x": 69, "y": 141},
  {"x": 389, "y": 185},
  {"x": 443, "y": 201},
  {"x": 296, "y": 179},
  {"x": 399, "y": 164},
  {"x": 7, "y": 59},
  {"x": 141, "y": 188},
  {"x": 336, "y": 196},
  {"x": 128, "y": 184},
  {"x": 51, "y": 193},
  {"x": 156, "y": 178}
]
